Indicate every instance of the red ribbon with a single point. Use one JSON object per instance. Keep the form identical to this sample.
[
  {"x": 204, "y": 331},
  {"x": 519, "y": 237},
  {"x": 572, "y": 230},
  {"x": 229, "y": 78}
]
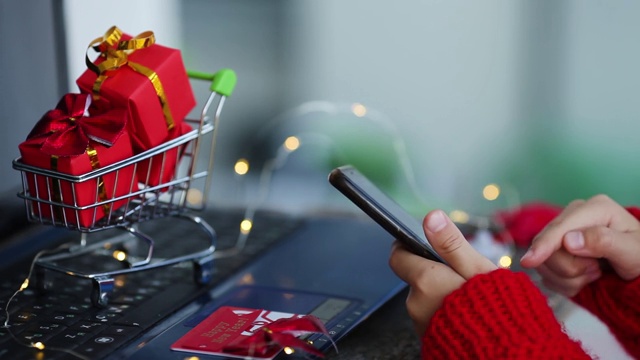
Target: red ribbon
[
  {"x": 68, "y": 129},
  {"x": 279, "y": 334}
]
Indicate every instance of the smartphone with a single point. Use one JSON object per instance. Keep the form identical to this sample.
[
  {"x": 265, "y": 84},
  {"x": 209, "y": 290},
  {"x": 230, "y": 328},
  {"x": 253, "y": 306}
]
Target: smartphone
[{"x": 383, "y": 210}]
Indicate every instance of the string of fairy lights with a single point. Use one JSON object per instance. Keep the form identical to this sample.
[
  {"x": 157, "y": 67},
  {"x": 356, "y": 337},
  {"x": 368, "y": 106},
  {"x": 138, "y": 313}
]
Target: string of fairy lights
[{"x": 292, "y": 143}]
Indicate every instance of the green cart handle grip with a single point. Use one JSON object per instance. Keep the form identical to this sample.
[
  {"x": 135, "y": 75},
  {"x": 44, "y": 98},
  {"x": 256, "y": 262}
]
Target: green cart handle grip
[{"x": 223, "y": 82}]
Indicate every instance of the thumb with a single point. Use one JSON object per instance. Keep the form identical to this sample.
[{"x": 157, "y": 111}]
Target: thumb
[
  {"x": 620, "y": 249},
  {"x": 447, "y": 240}
]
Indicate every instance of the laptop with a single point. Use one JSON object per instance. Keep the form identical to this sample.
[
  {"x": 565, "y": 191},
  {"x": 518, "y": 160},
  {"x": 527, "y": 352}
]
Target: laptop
[{"x": 332, "y": 265}]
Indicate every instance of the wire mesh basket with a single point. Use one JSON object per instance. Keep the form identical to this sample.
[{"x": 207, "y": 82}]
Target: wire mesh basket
[{"x": 183, "y": 166}]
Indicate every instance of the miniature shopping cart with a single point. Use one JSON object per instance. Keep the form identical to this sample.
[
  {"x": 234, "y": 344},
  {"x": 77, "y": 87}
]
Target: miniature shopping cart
[{"x": 178, "y": 197}]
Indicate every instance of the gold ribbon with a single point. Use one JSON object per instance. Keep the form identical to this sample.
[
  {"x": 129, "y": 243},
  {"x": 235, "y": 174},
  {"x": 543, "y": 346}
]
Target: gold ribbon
[
  {"x": 102, "y": 191},
  {"x": 116, "y": 52},
  {"x": 95, "y": 164}
]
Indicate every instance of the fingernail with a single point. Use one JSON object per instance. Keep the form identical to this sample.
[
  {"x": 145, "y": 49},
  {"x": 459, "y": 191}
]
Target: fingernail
[
  {"x": 527, "y": 255},
  {"x": 574, "y": 240},
  {"x": 437, "y": 221}
]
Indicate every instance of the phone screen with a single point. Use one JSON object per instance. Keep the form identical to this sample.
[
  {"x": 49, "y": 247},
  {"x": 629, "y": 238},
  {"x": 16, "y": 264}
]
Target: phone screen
[{"x": 381, "y": 208}]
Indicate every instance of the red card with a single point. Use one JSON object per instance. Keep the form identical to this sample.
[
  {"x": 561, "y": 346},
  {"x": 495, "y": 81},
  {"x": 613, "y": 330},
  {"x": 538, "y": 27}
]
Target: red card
[{"x": 225, "y": 326}]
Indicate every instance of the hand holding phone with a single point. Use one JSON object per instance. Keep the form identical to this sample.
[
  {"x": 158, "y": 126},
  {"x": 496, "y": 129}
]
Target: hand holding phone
[{"x": 383, "y": 210}]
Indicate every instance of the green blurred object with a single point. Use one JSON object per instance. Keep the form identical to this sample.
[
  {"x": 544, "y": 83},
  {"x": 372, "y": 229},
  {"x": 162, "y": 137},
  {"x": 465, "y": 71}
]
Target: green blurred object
[
  {"x": 334, "y": 134},
  {"x": 380, "y": 156},
  {"x": 369, "y": 150},
  {"x": 563, "y": 168}
]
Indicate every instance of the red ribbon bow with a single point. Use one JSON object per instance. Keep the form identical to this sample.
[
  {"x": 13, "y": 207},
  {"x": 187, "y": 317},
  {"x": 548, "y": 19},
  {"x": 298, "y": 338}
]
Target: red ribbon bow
[
  {"x": 67, "y": 129},
  {"x": 279, "y": 334}
]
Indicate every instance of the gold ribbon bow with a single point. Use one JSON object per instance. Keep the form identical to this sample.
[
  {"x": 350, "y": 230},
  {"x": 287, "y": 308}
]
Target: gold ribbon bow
[{"x": 115, "y": 52}]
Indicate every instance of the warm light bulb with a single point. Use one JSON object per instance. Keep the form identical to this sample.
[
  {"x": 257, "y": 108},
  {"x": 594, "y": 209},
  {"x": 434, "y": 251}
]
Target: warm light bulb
[
  {"x": 359, "y": 110},
  {"x": 491, "y": 192},
  {"x": 505, "y": 261},
  {"x": 241, "y": 167},
  {"x": 245, "y": 226},
  {"x": 195, "y": 197},
  {"x": 288, "y": 350},
  {"x": 38, "y": 345},
  {"x": 25, "y": 284},
  {"x": 120, "y": 255},
  {"x": 248, "y": 279},
  {"x": 459, "y": 216},
  {"x": 292, "y": 143}
]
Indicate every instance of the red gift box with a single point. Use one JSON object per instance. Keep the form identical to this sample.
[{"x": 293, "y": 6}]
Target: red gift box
[
  {"x": 127, "y": 80},
  {"x": 161, "y": 168},
  {"x": 69, "y": 140}
]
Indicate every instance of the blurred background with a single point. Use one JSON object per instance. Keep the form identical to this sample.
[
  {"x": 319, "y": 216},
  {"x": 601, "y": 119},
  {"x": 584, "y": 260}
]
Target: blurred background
[{"x": 432, "y": 99}]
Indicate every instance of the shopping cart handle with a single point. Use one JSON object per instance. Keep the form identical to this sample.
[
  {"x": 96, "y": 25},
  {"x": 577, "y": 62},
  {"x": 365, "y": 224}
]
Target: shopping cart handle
[{"x": 223, "y": 82}]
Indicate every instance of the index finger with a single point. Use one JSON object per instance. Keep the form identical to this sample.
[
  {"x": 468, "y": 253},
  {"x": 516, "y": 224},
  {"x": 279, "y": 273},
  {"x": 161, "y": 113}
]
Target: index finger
[
  {"x": 447, "y": 240},
  {"x": 549, "y": 240},
  {"x": 600, "y": 210}
]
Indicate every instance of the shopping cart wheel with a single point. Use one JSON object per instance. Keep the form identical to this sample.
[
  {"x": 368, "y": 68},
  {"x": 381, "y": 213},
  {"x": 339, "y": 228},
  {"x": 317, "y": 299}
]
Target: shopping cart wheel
[
  {"x": 102, "y": 287},
  {"x": 203, "y": 270},
  {"x": 39, "y": 279}
]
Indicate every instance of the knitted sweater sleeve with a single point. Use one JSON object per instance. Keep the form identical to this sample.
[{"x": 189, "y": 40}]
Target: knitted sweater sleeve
[
  {"x": 498, "y": 315},
  {"x": 617, "y": 303}
]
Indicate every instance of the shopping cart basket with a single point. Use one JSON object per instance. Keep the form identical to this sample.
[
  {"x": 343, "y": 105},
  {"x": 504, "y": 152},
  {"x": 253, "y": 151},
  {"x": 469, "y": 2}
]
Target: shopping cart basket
[{"x": 180, "y": 196}]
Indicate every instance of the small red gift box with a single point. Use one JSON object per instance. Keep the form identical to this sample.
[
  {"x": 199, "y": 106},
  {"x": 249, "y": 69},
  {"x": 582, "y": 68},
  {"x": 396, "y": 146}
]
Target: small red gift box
[
  {"x": 162, "y": 168},
  {"x": 148, "y": 79},
  {"x": 75, "y": 139}
]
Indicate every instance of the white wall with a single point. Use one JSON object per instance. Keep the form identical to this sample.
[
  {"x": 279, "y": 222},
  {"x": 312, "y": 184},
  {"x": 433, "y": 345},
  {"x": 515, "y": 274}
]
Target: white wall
[
  {"x": 541, "y": 93},
  {"x": 602, "y": 73},
  {"x": 445, "y": 72}
]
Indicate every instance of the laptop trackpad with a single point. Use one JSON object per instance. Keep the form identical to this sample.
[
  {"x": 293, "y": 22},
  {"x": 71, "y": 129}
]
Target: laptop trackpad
[{"x": 329, "y": 309}]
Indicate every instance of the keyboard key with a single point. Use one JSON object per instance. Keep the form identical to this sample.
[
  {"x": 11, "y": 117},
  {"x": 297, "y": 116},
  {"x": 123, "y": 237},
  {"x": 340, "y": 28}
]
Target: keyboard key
[
  {"x": 104, "y": 317},
  {"x": 62, "y": 318},
  {"x": 33, "y": 336},
  {"x": 46, "y": 328},
  {"x": 159, "y": 306},
  {"x": 100, "y": 345},
  {"x": 73, "y": 308},
  {"x": 128, "y": 299},
  {"x": 123, "y": 330},
  {"x": 90, "y": 327},
  {"x": 68, "y": 339},
  {"x": 24, "y": 316},
  {"x": 40, "y": 308}
]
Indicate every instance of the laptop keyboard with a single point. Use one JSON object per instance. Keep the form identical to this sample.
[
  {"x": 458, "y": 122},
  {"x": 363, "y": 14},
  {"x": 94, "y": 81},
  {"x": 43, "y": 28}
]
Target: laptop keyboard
[{"x": 63, "y": 317}]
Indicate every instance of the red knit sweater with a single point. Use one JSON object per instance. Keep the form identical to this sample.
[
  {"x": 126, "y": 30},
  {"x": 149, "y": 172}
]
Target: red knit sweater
[{"x": 503, "y": 315}]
